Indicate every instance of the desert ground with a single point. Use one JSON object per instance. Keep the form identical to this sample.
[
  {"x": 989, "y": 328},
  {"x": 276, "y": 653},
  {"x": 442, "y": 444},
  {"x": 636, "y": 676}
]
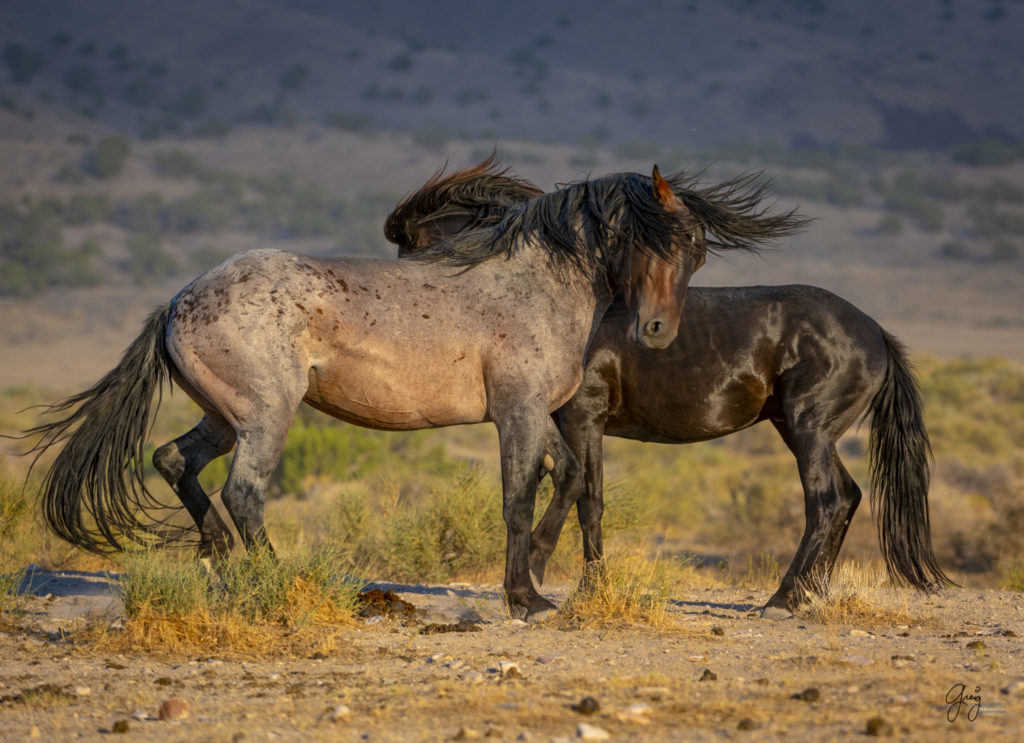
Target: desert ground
[{"x": 921, "y": 668}]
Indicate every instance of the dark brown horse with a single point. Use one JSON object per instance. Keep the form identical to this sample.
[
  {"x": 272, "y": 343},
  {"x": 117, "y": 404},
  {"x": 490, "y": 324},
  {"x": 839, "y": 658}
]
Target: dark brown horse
[
  {"x": 491, "y": 325},
  {"x": 798, "y": 356}
]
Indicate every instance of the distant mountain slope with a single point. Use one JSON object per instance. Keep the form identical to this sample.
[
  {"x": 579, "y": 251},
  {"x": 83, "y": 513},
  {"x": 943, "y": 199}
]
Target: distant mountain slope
[{"x": 916, "y": 74}]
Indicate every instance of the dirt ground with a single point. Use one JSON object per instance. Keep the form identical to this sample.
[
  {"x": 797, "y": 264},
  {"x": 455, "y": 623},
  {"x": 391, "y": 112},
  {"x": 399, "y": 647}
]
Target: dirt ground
[{"x": 718, "y": 671}]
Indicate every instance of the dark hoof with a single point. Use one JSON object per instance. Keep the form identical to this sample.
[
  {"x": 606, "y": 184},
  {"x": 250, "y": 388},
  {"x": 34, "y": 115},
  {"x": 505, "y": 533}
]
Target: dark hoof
[
  {"x": 540, "y": 609},
  {"x": 535, "y": 609},
  {"x": 776, "y": 613}
]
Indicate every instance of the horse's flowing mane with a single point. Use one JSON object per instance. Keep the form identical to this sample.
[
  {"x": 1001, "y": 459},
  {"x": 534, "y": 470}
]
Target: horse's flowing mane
[
  {"x": 474, "y": 197},
  {"x": 731, "y": 213},
  {"x": 578, "y": 224}
]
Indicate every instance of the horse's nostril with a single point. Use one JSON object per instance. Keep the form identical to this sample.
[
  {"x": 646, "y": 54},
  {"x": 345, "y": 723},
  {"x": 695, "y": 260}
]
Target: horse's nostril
[{"x": 654, "y": 327}]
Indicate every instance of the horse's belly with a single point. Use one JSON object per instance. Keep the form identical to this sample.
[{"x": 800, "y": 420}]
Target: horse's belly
[{"x": 398, "y": 397}]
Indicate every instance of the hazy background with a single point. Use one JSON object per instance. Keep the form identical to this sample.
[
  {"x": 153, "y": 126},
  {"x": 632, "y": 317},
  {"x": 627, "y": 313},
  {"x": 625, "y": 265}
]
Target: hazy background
[{"x": 142, "y": 142}]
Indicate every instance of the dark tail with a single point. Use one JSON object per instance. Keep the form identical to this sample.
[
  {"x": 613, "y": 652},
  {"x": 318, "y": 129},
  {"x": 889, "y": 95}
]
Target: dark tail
[
  {"x": 99, "y": 471},
  {"x": 899, "y": 456}
]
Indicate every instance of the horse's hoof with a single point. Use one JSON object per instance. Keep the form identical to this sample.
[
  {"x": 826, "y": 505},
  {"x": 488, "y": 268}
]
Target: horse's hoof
[
  {"x": 776, "y": 613},
  {"x": 540, "y": 615}
]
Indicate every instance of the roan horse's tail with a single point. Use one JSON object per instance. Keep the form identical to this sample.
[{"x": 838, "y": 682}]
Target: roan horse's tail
[
  {"x": 899, "y": 454},
  {"x": 99, "y": 470}
]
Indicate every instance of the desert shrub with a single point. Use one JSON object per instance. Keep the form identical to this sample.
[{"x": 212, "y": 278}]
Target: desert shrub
[
  {"x": 986, "y": 151},
  {"x": 988, "y": 221},
  {"x": 351, "y": 122},
  {"x": 109, "y": 156},
  {"x": 149, "y": 259},
  {"x": 890, "y": 224},
  {"x": 954, "y": 250},
  {"x": 400, "y": 63},
  {"x": 622, "y": 589},
  {"x": 191, "y": 104},
  {"x": 176, "y": 164},
  {"x": 456, "y": 530},
  {"x": 317, "y": 448},
  {"x": 87, "y": 208},
  {"x": 32, "y": 252},
  {"x": 1015, "y": 576},
  {"x": 23, "y": 62},
  {"x": 1004, "y": 250},
  {"x": 294, "y": 78},
  {"x": 209, "y": 209},
  {"x": 82, "y": 80},
  {"x": 144, "y": 215},
  {"x": 173, "y": 601},
  {"x": 141, "y": 92},
  {"x": 1000, "y": 189}
]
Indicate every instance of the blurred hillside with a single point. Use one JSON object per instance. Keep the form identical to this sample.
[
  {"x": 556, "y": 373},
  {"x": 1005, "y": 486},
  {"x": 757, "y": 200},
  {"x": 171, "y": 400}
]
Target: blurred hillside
[
  {"x": 142, "y": 143},
  {"x": 920, "y": 74}
]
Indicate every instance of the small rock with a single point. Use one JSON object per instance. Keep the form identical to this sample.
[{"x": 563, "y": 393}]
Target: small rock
[
  {"x": 474, "y": 678},
  {"x": 747, "y": 724},
  {"x": 341, "y": 713},
  {"x": 637, "y": 713},
  {"x": 1008, "y": 633},
  {"x": 457, "y": 664},
  {"x": 901, "y": 660},
  {"x": 717, "y": 631},
  {"x": 174, "y": 708},
  {"x": 466, "y": 733},
  {"x": 494, "y": 732},
  {"x": 435, "y": 658},
  {"x": 588, "y": 706},
  {"x": 526, "y": 737},
  {"x": 859, "y": 633},
  {"x": 877, "y": 727},
  {"x": 82, "y": 691},
  {"x": 591, "y": 732},
  {"x": 1015, "y": 687},
  {"x": 509, "y": 669},
  {"x": 709, "y": 675},
  {"x": 654, "y": 693},
  {"x": 547, "y": 659},
  {"x": 34, "y": 732},
  {"x": 119, "y": 726},
  {"x": 976, "y": 645},
  {"x": 810, "y": 694}
]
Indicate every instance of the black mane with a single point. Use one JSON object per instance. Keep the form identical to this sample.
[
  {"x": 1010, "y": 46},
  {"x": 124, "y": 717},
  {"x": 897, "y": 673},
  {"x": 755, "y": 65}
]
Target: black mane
[{"x": 576, "y": 225}]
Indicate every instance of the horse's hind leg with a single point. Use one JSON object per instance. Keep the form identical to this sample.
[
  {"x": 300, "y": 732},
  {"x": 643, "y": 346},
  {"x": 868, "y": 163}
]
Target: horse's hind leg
[
  {"x": 815, "y": 459},
  {"x": 850, "y": 496},
  {"x": 180, "y": 462}
]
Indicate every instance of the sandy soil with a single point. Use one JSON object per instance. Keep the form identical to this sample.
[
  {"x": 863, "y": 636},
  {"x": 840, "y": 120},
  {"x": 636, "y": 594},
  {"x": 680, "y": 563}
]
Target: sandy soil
[{"x": 718, "y": 672}]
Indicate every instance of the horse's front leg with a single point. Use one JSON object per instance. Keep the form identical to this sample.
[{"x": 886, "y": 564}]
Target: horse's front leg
[{"x": 521, "y": 437}]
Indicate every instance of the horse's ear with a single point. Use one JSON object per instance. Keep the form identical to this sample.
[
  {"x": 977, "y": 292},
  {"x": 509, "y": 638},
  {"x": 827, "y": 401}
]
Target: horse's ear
[{"x": 662, "y": 191}]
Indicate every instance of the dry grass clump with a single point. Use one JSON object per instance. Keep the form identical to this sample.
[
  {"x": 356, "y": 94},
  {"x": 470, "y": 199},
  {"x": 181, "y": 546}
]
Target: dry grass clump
[
  {"x": 623, "y": 589},
  {"x": 857, "y": 594},
  {"x": 255, "y": 602}
]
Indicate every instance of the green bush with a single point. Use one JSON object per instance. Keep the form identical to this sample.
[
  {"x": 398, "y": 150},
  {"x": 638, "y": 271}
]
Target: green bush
[
  {"x": 294, "y": 78},
  {"x": 32, "y": 253},
  {"x": 149, "y": 259},
  {"x": 108, "y": 158},
  {"x": 87, "y": 208},
  {"x": 176, "y": 164}
]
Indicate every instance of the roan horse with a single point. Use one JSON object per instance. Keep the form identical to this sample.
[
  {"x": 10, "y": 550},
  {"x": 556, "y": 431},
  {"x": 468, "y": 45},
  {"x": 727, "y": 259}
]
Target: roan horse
[
  {"x": 489, "y": 326},
  {"x": 798, "y": 356}
]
